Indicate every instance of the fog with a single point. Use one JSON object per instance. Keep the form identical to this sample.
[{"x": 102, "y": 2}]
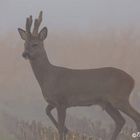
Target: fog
[
  {"x": 82, "y": 34},
  {"x": 78, "y": 13}
]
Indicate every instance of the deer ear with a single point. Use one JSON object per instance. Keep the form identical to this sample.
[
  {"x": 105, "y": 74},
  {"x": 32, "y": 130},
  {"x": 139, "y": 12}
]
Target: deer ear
[
  {"x": 43, "y": 33},
  {"x": 22, "y": 34}
]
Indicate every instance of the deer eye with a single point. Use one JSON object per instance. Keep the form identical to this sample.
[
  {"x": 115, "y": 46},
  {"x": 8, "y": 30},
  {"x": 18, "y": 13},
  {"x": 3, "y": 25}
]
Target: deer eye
[{"x": 34, "y": 45}]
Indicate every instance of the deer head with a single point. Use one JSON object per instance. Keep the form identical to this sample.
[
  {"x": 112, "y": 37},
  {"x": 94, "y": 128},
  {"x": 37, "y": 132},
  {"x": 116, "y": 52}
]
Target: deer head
[{"x": 33, "y": 45}]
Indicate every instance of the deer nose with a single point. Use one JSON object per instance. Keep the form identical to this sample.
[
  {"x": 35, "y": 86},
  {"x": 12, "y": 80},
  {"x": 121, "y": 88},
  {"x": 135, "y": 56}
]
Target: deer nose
[{"x": 26, "y": 55}]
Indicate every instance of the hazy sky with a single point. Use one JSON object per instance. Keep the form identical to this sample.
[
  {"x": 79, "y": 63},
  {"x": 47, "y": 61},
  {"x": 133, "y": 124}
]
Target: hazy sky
[{"x": 68, "y": 13}]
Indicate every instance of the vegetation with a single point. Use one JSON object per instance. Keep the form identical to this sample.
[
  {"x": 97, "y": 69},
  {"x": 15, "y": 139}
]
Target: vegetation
[{"x": 24, "y": 130}]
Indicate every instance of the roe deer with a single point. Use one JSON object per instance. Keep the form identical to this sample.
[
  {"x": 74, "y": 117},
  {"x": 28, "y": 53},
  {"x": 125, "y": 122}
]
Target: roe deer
[{"x": 62, "y": 87}]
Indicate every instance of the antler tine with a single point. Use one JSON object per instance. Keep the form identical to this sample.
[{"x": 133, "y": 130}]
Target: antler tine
[
  {"x": 30, "y": 22},
  {"x": 40, "y": 17},
  {"x": 27, "y": 25},
  {"x": 37, "y": 23}
]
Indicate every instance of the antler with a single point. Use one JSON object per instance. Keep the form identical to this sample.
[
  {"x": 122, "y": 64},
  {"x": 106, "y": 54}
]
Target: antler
[
  {"x": 28, "y": 25},
  {"x": 37, "y": 24}
]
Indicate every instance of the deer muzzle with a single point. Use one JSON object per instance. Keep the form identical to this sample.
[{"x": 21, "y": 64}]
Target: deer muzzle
[{"x": 26, "y": 55}]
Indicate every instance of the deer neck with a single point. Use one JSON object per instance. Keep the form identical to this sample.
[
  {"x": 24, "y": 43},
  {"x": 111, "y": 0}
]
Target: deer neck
[{"x": 41, "y": 67}]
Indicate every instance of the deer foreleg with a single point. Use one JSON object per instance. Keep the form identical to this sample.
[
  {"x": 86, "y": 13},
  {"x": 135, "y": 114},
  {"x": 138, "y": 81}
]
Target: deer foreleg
[
  {"x": 61, "y": 113},
  {"x": 49, "y": 108}
]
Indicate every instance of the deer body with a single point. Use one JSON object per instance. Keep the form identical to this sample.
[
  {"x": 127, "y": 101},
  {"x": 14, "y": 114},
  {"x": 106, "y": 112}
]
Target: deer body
[
  {"x": 63, "y": 87},
  {"x": 82, "y": 87}
]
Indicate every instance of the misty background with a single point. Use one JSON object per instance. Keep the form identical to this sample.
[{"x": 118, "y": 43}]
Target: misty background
[{"x": 81, "y": 35}]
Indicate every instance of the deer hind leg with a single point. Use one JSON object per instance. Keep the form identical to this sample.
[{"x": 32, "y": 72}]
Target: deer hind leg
[
  {"x": 117, "y": 117},
  {"x": 49, "y": 108},
  {"x": 61, "y": 112},
  {"x": 131, "y": 112}
]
